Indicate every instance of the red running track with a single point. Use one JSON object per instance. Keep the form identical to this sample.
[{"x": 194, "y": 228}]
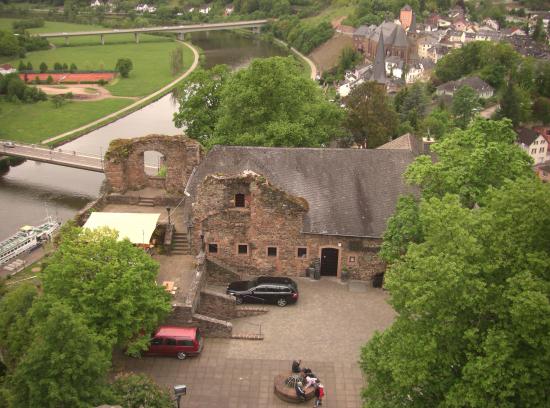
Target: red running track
[{"x": 68, "y": 77}]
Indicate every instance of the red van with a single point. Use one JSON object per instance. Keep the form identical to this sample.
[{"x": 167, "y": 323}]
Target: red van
[{"x": 175, "y": 341}]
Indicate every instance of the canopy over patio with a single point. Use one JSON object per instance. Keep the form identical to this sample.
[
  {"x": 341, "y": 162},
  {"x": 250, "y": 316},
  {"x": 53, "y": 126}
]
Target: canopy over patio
[{"x": 137, "y": 227}]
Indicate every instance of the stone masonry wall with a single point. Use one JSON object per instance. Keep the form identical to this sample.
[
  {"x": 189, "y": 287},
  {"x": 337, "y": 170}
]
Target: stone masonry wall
[
  {"x": 217, "y": 305},
  {"x": 124, "y": 162},
  {"x": 270, "y": 218}
]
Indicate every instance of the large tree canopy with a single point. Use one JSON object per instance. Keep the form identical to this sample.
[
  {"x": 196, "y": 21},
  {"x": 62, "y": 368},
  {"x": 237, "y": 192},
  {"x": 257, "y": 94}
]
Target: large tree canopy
[
  {"x": 112, "y": 283},
  {"x": 270, "y": 103},
  {"x": 473, "y": 305},
  {"x": 371, "y": 119},
  {"x": 471, "y": 161}
]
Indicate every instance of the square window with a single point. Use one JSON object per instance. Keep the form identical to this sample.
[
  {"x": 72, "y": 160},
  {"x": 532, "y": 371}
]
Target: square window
[
  {"x": 351, "y": 259},
  {"x": 239, "y": 200},
  {"x": 243, "y": 249},
  {"x": 302, "y": 252},
  {"x": 213, "y": 248},
  {"x": 271, "y": 251}
]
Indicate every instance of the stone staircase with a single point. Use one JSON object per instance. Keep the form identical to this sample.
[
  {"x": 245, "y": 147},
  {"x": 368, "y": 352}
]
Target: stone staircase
[
  {"x": 146, "y": 202},
  {"x": 180, "y": 244}
]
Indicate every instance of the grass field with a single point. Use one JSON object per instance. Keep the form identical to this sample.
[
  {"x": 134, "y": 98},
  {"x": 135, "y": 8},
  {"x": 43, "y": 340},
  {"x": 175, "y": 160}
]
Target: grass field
[
  {"x": 330, "y": 14},
  {"x": 151, "y": 63},
  {"x": 32, "y": 123}
]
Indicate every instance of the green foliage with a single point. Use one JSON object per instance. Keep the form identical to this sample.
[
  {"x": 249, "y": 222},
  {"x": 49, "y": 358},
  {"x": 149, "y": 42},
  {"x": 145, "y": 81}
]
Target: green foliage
[
  {"x": 138, "y": 390},
  {"x": 403, "y": 229},
  {"x": 471, "y": 161},
  {"x": 176, "y": 61},
  {"x": 492, "y": 61},
  {"x": 14, "y": 325},
  {"x": 542, "y": 79},
  {"x": 29, "y": 66},
  {"x": 515, "y": 104},
  {"x": 57, "y": 66},
  {"x": 22, "y": 66},
  {"x": 22, "y": 25},
  {"x": 438, "y": 123},
  {"x": 111, "y": 283},
  {"x": 301, "y": 35},
  {"x": 472, "y": 303},
  {"x": 270, "y": 103},
  {"x": 412, "y": 103},
  {"x": 541, "y": 110},
  {"x": 58, "y": 101},
  {"x": 368, "y": 12},
  {"x": 465, "y": 105},
  {"x": 64, "y": 67},
  {"x": 371, "y": 118},
  {"x": 16, "y": 90},
  {"x": 49, "y": 80},
  {"x": 124, "y": 66},
  {"x": 538, "y": 32},
  {"x": 200, "y": 100},
  {"x": 9, "y": 46},
  {"x": 73, "y": 68},
  {"x": 43, "y": 67},
  {"x": 63, "y": 365}
]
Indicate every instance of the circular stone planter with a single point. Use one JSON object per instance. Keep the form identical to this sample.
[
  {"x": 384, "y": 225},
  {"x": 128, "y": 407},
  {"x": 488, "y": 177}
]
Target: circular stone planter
[{"x": 287, "y": 393}]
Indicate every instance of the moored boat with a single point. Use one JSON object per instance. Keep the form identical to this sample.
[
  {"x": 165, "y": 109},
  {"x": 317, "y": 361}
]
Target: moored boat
[{"x": 26, "y": 239}]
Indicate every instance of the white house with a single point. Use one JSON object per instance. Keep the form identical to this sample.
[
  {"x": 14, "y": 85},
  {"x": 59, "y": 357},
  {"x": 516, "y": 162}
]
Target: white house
[
  {"x": 535, "y": 144},
  {"x": 229, "y": 9},
  {"x": 7, "y": 69},
  {"x": 482, "y": 88},
  {"x": 394, "y": 66},
  {"x": 95, "y": 4},
  {"x": 414, "y": 72},
  {"x": 144, "y": 8},
  {"x": 492, "y": 24},
  {"x": 205, "y": 9}
]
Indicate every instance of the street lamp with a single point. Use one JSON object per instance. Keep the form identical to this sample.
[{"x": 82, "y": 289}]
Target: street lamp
[{"x": 179, "y": 391}]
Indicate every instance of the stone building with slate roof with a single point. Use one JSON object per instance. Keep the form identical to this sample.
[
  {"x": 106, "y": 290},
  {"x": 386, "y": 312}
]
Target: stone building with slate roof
[
  {"x": 257, "y": 210},
  {"x": 396, "y": 42}
]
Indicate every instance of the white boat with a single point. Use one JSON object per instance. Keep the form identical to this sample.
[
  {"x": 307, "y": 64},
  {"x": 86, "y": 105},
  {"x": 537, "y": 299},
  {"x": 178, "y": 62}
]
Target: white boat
[{"x": 27, "y": 239}]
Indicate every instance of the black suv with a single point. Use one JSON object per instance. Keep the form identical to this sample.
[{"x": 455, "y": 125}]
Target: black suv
[{"x": 265, "y": 289}]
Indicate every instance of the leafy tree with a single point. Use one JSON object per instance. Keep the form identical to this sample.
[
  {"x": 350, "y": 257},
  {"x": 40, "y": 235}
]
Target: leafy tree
[
  {"x": 524, "y": 75},
  {"x": 9, "y": 46},
  {"x": 200, "y": 99},
  {"x": 110, "y": 282},
  {"x": 14, "y": 326},
  {"x": 472, "y": 306},
  {"x": 414, "y": 104},
  {"x": 270, "y": 103},
  {"x": 541, "y": 110},
  {"x": 64, "y": 67},
  {"x": 29, "y": 66},
  {"x": 403, "y": 229},
  {"x": 471, "y": 161},
  {"x": 58, "y": 101},
  {"x": 57, "y": 66},
  {"x": 49, "y": 80},
  {"x": 138, "y": 390},
  {"x": 64, "y": 364},
  {"x": 73, "y": 68},
  {"x": 43, "y": 67},
  {"x": 436, "y": 124},
  {"x": 515, "y": 104},
  {"x": 176, "y": 60},
  {"x": 371, "y": 118},
  {"x": 542, "y": 79},
  {"x": 465, "y": 104},
  {"x": 124, "y": 66},
  {"x": 22, "y": 66},
  {"x": 538, "y": 33}
]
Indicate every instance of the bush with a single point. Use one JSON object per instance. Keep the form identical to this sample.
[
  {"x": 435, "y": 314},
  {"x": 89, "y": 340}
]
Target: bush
[
  {"x": 21, "y": 25},
  {"x": 43, "y": 67},
  {"x": 65, "y": 67},
  {"x": 49, "y": 80},
  {"x": 57, "y": 66},
  {"x": 138, "y": 390},
  {"x": 124, "y": 66},
  {"x": 73, "y": 68}
]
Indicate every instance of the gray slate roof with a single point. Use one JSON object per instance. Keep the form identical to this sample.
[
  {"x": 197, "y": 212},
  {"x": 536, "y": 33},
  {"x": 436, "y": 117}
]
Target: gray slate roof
[
  {"x": 350, "y": 192},
  {"x": 526, "y": 136}
]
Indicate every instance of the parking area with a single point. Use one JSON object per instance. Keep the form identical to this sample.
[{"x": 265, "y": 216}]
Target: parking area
[{"x": 326, "y": 329}]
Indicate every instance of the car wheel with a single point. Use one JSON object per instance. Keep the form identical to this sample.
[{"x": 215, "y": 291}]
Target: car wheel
[
  {"x": 182, "y": 355},
  {"x": 239, "y": 300},
  {"x": 282, "y": 302}
]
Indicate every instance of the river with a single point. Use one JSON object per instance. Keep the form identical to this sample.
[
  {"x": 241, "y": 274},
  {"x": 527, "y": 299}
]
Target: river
[{"x": 31, "y": 190}]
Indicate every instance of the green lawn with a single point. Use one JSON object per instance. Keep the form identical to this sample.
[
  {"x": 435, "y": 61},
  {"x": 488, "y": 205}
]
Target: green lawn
[
  {"x": 151, "y": 63},
  {"x": 33, "y": 123},
  {"x": 330, "y": 14}
]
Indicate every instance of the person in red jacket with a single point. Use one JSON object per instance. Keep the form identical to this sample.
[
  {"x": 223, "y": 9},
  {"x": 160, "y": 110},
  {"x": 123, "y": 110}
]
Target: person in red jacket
[{"x": 319, "y": 394}]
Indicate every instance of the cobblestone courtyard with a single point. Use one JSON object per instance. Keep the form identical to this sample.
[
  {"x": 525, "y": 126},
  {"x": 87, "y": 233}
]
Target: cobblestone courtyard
[{"x": 326, "y": 329}]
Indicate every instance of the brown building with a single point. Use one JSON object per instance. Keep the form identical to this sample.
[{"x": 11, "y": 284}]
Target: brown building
[
  {"x": 405, "y": 17},
  {"x": 396, "y": 42},
  {"x": 261, "y": 210}
]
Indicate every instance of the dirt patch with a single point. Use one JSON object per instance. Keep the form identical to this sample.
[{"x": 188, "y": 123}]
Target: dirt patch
[
  {"x": 88, "y": 92},
  {"x": 326, "y": 55}
]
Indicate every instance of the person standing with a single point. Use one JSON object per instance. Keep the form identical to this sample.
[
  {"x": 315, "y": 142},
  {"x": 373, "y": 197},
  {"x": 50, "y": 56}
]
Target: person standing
[{"x": 319, "y": 394}]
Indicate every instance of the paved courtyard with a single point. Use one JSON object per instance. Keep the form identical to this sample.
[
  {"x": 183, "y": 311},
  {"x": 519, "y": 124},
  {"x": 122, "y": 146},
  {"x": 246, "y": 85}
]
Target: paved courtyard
[{"x": 325, "y": 329}]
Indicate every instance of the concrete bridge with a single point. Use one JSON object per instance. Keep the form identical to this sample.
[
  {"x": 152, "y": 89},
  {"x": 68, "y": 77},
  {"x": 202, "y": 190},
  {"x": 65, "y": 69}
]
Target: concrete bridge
[
  {"x": 67, "y": 158},
  {"x": 181, "y": 30}
]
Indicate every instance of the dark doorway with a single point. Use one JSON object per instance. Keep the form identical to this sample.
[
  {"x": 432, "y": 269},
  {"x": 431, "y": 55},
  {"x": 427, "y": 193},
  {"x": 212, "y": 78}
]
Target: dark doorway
[{"x": 329, "y": 262}]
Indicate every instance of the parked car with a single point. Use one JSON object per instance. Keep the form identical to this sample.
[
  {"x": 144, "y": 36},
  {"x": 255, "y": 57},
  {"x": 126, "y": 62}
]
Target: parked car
[
  {"x": 175, "y": 341},
  {"x": 279, "y": 290}
]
